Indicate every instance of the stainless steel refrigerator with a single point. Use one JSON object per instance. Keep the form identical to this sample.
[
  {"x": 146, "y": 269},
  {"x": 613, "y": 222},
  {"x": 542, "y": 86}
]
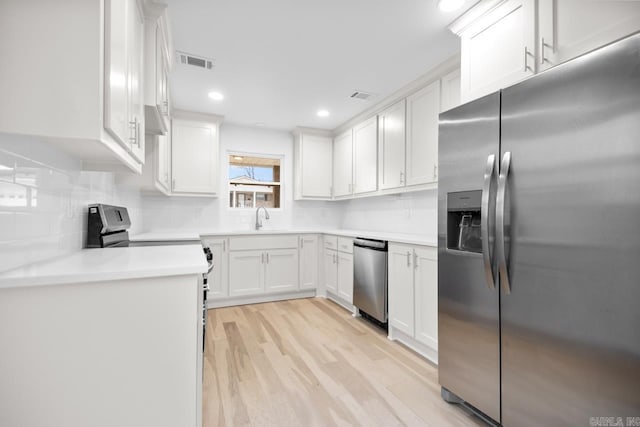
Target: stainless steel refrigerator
[{"x": 539, "y": 245}]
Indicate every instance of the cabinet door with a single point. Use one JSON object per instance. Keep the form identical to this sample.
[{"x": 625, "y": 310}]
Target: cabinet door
[
  {"x": 426, "y": 300},
  {"x": 116, "y": 99},
  {"x": 308, "y": 262},
  {"x": 135, "y": 39},
  {"x": 391, "y": 141},
  {"x": 331, "y": 271},
  {"x": 194, "y": 157},
  {"x": 401, "y": 292},
  {"x": 569, "y": 28},
  {"x": 498, "y": 50},
  {"x": 423, "y": 108},
  {"x": 218, "y": 283},
  {"x": 450, "y": 91},
  {"x": 365, "y": 156},
  {"x": 281, "y": 270},
  {"x": 163, "y": 162},
  {"x": 162, "y": 77},
  {"x": 246, "y": 273},
  {"x": 316, "y": 153},
  {"x": 345, "y": 276},
  {"x": 343, "y": 164}
]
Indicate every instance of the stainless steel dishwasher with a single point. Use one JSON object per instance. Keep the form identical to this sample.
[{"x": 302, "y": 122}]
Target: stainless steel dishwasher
[{"x": 370, "y": 277}]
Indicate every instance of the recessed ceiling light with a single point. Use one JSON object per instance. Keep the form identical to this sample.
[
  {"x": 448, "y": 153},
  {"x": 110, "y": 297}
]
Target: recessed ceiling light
[
  {"x": 450, "y": 5},
  {"x": 237, "y": 157},
  {"x": 216, "y": 96},
  {"x": 323, "y": 113}
]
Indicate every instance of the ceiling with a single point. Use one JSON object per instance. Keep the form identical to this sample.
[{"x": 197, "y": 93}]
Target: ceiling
[{"x": 278, "y": 62}]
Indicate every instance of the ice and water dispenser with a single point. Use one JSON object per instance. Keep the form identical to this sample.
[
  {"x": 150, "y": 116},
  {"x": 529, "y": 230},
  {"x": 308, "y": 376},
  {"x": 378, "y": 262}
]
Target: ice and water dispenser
[{"x": 463, "y": 221}]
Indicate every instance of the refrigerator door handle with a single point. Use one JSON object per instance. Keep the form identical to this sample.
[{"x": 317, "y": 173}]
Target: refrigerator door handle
[
  {"x": 484, "y": 221},
  {"x": 500, "y": 225}
]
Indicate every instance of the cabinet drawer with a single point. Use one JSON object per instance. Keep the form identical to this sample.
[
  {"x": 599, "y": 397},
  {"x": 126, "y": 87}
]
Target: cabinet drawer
[
  {"x": 345, "y": 244},
  {"x": 331, "y": 242},
  {"x": 252, "y": 243}
]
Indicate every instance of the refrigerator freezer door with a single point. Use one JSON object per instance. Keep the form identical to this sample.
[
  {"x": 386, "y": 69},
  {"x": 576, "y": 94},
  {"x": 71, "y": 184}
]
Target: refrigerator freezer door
[
  {"x": 468, "y": 309},
  {"x": 570, "y": 325}
]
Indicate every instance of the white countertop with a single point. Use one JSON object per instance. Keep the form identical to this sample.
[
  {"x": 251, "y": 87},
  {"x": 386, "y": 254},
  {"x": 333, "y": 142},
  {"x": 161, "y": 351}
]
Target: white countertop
[
  {"x": 413, "y": 239},
  {"x": 94, "y": 265}
]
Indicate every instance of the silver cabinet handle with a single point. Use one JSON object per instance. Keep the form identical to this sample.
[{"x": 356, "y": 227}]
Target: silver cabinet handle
[
  {"x": 408, "y": 259},
  {"x": 543, "y": 45},
  {"x": 267, "y": 257},
  {"x": 500, "y": 224},
  {"x": 485, "y": 224},
  {"x": 415, "y": 260},
  {"x": 302, "y": 243},
  {"x": 335, "y": 259},
  {"x": 526, "y": 60},
  {"x": 262, "y": 258},
  {"x": 401, "y": 177},
  {"x": 435, "y": 171},
  {"x": 133, "y": 128}
]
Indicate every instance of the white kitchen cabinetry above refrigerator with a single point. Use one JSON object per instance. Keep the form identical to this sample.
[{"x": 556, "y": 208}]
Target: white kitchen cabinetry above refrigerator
[
  {"x": 158, "y": 60},
  {"x": 504, "y": 42},
  {"x": 413, "y": 297},
  {"x": 195, "y": 154},
  {"x": 312, "y": 164},
  {"x": 78, "y": 81}
]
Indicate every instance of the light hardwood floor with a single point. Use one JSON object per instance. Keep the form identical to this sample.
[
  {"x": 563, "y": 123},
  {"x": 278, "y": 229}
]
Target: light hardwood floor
[{"x": 308, "y": 362}]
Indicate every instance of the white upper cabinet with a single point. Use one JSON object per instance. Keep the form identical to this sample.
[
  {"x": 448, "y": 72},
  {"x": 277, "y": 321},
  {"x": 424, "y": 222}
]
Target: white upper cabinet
[
  {"x": 569, "y": 28},
  {"x": 194, "y": 157},
  {"x": 157, "y": 61},
  {"x": 450, "y": 91},
  {"x": 343, "y": 164},
  {"x": 506, "y": 41},
  {"x": 498, "y": 49},
  {"x": 76, "y": 83},
  {"x": 391, "y": 142},
  {"x": 313, "y": 165},
  {"x": 365, "y": 157},
  {"x": 423, "y": 108}
]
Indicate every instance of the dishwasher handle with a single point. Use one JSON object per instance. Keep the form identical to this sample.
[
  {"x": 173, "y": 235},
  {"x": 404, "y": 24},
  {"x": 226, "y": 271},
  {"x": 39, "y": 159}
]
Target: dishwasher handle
[{"x": 378, "y": 245}]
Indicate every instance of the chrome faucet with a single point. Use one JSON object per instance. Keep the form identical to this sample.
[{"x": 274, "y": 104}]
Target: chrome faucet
[{"x": 258, "y": 221}]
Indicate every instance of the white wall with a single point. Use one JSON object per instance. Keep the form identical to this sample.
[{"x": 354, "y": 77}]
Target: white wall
[
  {"x": 43, "y": 200},
  {"x": 411, "y": 213},
  {"x": 161, "y": 212}
]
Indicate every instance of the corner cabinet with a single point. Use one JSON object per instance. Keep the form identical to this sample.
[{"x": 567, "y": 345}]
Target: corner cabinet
[
  {"x": 504, "y": 42},
  {"x": 343, "y": 164},
  {"x": 195, "y": 154},
  {"x": 312, "y": 164},
  {"x": 413, "y": 297},
  {"x": 94, "y": 108}
]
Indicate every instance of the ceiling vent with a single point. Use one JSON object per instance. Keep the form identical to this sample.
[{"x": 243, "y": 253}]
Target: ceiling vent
[
  {"x": 196, "y": 61},
  {"x": 360, "y": 94}
]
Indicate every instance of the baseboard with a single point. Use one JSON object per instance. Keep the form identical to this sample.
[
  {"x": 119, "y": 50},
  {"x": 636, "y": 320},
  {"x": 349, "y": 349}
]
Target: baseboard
[
  {"x": 335, "y": 298},
  {"x": 257, "y": 299},
  {"x": 415, "y": 345}
]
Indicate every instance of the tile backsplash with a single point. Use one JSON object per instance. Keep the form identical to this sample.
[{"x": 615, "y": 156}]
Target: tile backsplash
[{"x": 44, "y": 195}]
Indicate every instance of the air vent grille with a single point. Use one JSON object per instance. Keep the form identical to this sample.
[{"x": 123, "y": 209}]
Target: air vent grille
[
  {"x": 360, "y": 94},
  {"x": 195, "y": 60}
]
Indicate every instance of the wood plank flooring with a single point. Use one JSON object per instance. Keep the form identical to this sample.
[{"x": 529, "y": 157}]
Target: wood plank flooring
[{"x": 308, "y": 362}]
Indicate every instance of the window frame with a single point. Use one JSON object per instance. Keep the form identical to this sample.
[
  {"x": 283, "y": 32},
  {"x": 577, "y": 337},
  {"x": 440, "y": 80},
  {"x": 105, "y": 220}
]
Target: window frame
[{"x": 279, "y": 157}]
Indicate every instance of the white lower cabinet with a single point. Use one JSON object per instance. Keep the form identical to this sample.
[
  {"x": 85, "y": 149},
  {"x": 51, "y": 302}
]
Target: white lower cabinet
[
  {"x": 331, "y": 270},
  {"x": 413, "y": 297},
  {"x": 218, "y": 281},
  {"x": 281, "y": 270},
  {"x": 246, "y": 272},
  {"x": 308, "y": 261},
  {"x": 338, "y": 269}
]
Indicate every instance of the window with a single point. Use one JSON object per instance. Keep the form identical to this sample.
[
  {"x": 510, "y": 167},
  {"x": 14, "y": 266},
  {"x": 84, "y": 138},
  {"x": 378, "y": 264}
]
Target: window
[{"x": 254, "y": 181}]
